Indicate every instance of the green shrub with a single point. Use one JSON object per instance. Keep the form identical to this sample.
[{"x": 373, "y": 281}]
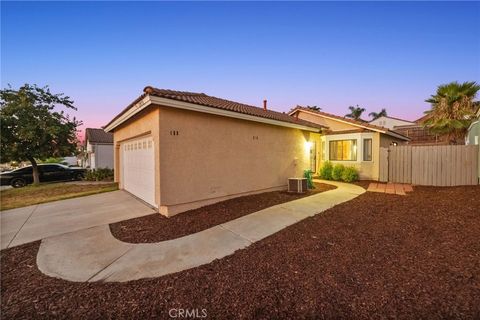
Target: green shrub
[
  {"x": 101, "y": 174},
  {"x": 325, "y": 171},
  {"x": 309, "y": 175},
  {"x": 337, "y": 172},
  {"x": 350, "y": 174}
]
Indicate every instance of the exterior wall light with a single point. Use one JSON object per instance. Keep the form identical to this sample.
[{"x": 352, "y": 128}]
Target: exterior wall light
[{"x": 308, "y": 145}]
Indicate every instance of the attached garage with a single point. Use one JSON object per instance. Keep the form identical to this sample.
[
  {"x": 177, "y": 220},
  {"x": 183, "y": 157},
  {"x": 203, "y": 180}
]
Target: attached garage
[
  {"x": 180, "y": 150},
  {"x": 137, "y": 163}
]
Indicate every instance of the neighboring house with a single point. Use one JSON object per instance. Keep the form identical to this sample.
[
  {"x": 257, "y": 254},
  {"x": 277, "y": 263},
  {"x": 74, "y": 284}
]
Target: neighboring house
[
  {"x": 390, "y": 122},
  {"x": 182, "y": 150},
  {"x": 351, "y": 142},
  {"x": 420, "y": 135},
  {"x": 473, "y": 136},
  {"x": 70, "y": 161},
  {"x": 99, "y": 149}
]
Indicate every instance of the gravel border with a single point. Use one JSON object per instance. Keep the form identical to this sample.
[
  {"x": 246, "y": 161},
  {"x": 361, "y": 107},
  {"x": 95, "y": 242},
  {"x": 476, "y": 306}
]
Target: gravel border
[{"x": 377, "y": 256}]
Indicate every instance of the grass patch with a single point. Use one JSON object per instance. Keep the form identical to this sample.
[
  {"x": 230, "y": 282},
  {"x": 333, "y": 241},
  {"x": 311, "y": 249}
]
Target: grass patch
[{"x": 30, "y": 195}]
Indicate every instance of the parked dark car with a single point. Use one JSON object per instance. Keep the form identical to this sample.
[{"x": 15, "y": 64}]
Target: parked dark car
[{"x": 47, "y": 172}]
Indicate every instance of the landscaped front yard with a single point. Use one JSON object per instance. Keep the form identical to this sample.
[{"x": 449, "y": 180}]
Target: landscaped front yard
[
  {"x": 377, "y": 256},
  {"x": 29, "y": 195},
  {"x": 156, "y": 227}
]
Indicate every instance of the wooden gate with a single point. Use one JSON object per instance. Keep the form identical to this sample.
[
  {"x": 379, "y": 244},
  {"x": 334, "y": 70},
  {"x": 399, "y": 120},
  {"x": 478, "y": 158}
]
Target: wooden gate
[{"x": 430, "y": 165}]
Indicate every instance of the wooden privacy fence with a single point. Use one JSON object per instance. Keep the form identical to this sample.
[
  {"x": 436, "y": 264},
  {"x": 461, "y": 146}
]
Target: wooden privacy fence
[{"x": 430, "y": 165}]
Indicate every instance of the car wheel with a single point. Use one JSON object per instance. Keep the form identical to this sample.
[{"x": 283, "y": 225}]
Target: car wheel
[
  {"x": 18, "y": 183},
  {"x": 79, "y": 176}
]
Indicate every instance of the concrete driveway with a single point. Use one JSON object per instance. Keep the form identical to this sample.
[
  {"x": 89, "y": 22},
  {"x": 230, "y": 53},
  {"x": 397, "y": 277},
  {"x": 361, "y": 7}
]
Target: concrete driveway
[
  {"x": 95, "y": 255},
  {"x": 32, "y": 223}
]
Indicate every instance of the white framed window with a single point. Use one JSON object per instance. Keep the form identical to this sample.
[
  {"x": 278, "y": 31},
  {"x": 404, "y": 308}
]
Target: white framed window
[{"x": 367, "y": 149}]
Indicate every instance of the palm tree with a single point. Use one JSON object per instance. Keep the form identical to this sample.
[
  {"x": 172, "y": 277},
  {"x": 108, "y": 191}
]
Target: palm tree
[
  {"x": 355, "y": 112},
  {"x": 314, "y": 108},
  {"x": 453, "y": 109},
  {"x": 376, "y": 115}
]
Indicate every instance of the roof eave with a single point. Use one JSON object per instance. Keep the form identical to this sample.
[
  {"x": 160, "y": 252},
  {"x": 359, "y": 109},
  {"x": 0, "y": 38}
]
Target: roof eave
[
  {"x": 335, "y": 118},
  {"x": 152, "y": 99},
  {"x": 397, "y": 135}
]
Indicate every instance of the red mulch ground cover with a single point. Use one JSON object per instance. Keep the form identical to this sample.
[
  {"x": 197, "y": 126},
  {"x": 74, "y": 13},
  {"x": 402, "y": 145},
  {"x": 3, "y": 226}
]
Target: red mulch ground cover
[
  {"x": 378, "y": 256},
  {"x": 156, "y": 227}
]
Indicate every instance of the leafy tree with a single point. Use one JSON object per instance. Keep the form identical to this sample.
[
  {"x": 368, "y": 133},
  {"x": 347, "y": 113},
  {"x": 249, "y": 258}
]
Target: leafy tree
[
  {"x": 314, "y": 108},
  {"x": 31, "y": 128},
  {"x": 376, "y": 115},
  {"x": 355, "y": 112},
  {"x": 453, "y": 109}
]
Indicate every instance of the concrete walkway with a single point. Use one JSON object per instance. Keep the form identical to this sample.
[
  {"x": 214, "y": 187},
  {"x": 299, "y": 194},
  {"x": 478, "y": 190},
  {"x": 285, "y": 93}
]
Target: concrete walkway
[
  {"x": 95, "y": 255},
  {"x": 32, "y": 223}
]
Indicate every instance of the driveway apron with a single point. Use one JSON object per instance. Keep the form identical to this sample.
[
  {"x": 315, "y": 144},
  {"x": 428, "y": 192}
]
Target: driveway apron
[{"x": 32, "y": 223}]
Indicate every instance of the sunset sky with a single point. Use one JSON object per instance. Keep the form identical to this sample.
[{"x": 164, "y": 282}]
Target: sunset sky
[{"x": 376, "y": 54}]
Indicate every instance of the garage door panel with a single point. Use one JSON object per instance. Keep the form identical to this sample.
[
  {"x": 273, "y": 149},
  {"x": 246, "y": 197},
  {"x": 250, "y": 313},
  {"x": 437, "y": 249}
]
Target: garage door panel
[{"x": 138, "y": 168}]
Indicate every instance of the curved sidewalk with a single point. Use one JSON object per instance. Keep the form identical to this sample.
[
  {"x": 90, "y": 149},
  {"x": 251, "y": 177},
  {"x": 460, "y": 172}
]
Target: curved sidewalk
[{"x": 95, "y": 255}]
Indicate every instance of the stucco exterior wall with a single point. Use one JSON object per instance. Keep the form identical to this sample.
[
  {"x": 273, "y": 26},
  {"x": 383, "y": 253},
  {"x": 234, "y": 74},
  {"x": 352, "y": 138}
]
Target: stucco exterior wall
[
  {"x": 145, "y": 123},
  {"x": 473, "y": 138},
  {"x": 368, "y": 170},
  {"x": 386, "y": 141},
  {"x": 214, "y": 158},
  {"x": 390, "y": 122},
  {"x": 332, "y": 124}
]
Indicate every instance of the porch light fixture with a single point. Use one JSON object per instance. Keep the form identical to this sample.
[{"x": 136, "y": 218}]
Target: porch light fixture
[{"x": 308, "y": 145}]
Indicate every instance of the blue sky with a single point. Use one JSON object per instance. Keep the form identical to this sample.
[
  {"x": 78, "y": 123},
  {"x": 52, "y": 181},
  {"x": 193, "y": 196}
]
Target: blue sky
[{"x": 376, "y": 54}]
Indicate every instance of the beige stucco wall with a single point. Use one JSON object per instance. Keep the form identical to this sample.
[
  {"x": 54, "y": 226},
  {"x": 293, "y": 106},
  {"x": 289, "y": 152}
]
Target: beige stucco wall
[
  {"x": 368, "y": 170},
  {"x": 334, "y": 125},
  {"x": 386, "y": 141},
  {"x": 145, "y": 123},
  {"x": 214, "y": 158},
  {"x": 390, "y": 123}
]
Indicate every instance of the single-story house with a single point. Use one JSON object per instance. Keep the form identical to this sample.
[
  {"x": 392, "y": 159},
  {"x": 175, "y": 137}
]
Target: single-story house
[
  {"x": 180, "y": 150},
  {"x": 99, "y": 149},
  {"x": 390, "y": 122},
  {"x": 351, "y": 142}
]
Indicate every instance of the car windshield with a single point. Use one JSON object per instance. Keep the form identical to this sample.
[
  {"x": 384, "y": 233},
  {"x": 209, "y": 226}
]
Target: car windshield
[{"x": 24, "y": 169}]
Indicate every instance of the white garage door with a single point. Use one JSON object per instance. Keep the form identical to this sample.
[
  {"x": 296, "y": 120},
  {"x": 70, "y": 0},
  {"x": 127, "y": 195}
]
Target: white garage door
[{"x": 138, "y": 168}]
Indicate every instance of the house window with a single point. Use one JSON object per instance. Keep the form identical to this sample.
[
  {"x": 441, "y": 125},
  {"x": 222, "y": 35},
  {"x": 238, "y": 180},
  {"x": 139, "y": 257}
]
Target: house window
[
  {"x": 367, "y": 149},
  {"x": 343, "y": 150}
]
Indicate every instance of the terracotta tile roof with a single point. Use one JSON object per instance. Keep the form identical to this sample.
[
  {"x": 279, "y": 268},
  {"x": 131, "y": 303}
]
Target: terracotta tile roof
[
  {"x": 94, "y": 135},
  {"x": 218, "y": 103},
  {"x": 352, "y": 121}
]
